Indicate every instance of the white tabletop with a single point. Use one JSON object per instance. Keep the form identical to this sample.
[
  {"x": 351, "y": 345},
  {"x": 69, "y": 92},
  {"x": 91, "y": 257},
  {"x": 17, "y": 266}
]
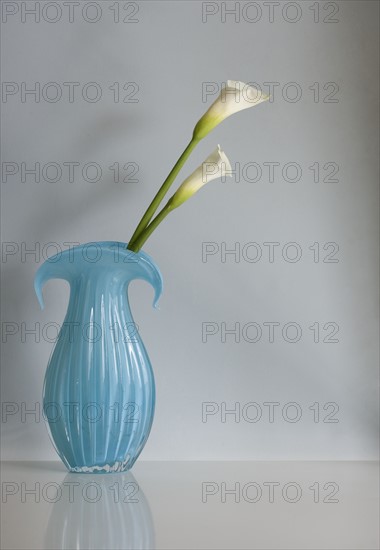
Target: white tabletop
[{"x": 193, "y": 505}]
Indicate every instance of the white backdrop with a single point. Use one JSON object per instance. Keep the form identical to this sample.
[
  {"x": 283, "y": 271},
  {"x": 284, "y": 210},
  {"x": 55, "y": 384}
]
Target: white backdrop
[{"x": 306, "y": 173}]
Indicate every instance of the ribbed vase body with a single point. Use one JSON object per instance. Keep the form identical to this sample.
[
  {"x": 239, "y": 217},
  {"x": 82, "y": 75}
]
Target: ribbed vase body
[{"x": 99, "y": 391}]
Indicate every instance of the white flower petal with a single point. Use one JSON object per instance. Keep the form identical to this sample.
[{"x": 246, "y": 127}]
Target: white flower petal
[
  {"x": 215, "y": 166},
  {"x": 234, "y": 97}
]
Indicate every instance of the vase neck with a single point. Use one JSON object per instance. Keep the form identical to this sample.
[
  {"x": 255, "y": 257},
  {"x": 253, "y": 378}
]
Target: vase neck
[{"x": 99, "y": 264}]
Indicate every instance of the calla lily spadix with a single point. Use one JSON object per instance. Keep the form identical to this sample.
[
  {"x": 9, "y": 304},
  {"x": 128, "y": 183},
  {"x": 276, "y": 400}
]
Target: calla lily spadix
[
  {"x": 234, "y": 97},
  {"x": 215, "y": 166}
]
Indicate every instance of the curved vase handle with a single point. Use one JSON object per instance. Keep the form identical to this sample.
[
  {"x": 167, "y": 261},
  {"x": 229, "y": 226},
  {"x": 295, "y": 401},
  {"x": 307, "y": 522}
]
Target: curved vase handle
[
  {"x": 46, "y": 271},
  {"x": 150, "y": 273}
]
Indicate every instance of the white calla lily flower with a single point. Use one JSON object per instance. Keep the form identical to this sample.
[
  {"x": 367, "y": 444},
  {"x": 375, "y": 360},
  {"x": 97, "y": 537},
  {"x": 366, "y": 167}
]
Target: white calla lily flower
[
  {"x": 215, "y": 166},
  {"x": 234, "y": 97}
]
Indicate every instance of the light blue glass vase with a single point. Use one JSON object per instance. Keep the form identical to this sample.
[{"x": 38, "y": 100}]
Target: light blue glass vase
[{"x": 99, "y": 390}]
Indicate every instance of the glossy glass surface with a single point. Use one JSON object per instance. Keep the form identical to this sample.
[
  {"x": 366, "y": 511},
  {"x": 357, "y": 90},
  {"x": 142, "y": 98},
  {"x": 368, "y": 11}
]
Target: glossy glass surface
[
  {"x": 99, "y": 391},
  {"x": 257, "y": 505}
]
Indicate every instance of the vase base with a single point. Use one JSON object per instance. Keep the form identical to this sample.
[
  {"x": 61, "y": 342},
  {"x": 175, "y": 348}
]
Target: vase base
[{"x": 121, "y": 466}]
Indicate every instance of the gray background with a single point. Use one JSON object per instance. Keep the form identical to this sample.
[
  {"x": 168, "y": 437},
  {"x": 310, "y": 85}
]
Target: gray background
[{"x": 170, "y": 53}]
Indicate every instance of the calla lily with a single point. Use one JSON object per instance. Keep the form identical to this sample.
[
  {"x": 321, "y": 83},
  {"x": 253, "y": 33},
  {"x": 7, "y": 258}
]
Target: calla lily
[
  {"x": 234, "y": 97},
  {"x": 215, "y": 166}
]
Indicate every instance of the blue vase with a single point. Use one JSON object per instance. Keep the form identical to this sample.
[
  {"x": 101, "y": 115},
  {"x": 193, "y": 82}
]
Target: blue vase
[{"x": 99, "y": 390}]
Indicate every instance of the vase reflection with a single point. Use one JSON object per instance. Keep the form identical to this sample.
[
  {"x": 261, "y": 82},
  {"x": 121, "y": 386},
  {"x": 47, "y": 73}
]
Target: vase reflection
[{"x": 98, "y": 512}]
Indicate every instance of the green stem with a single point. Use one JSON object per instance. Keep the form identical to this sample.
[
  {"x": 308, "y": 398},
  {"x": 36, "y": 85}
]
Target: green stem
[
  {"x": 146, "y": 233},
  {"x": 161, "y": 193}
]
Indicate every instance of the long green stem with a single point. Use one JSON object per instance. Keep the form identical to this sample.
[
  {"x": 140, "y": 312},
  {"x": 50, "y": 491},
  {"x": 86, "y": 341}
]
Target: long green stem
[
  {"x": 161, "y": 193},
  {"x": 146, "y": 233}
]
